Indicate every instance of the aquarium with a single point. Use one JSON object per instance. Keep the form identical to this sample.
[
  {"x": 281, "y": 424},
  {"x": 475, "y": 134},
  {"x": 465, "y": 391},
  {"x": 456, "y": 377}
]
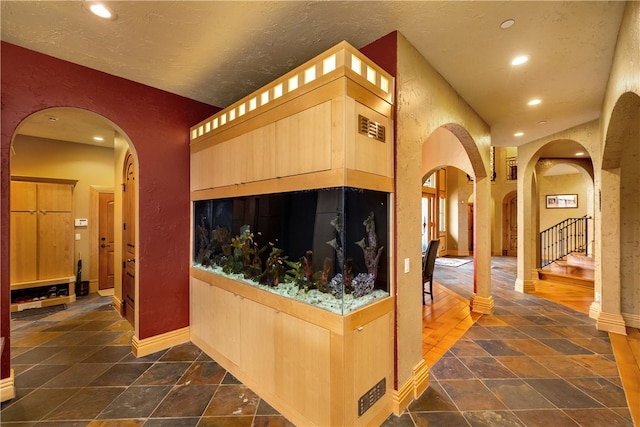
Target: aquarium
[{"x": 328, "y": 247}]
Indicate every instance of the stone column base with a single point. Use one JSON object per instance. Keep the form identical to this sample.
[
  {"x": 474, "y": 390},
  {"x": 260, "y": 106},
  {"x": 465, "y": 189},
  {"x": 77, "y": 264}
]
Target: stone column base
[
  {"x": 611, "y": 323},
  {"x": 482, "y": 305},
  {"x": 413, "y": 388},
  {"x": 525, "y": 286}
]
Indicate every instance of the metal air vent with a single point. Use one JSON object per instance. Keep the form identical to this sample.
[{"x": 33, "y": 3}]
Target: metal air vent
[{"x": 371, "y": 129}]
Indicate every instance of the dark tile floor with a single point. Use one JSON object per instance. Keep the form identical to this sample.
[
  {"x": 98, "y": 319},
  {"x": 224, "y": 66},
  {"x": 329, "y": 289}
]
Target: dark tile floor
[
  {"x": 532, "y": 363},
  {"x": 75, "y": 368}
]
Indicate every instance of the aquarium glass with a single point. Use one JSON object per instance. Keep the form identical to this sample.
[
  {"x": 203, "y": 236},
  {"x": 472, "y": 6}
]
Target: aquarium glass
[{"x": 328, "y": 248}]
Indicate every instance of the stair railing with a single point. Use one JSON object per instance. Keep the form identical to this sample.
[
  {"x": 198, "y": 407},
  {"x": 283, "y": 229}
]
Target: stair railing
[{"x": 562, "y": 239}]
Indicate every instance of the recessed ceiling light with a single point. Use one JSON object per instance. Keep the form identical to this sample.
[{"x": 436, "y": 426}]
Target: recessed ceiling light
[
  {"x": 534, "y": 102},
  {"x": 103, "y": 11},
  {"x": 541, "y": 122},
  {"x": 579, "y": 153},
  {"x": 519, "y": 60},
  {"x": 518, "y": 134},
  {"x": 98, "y": 138},
  {"x": 507, "y": 24}
]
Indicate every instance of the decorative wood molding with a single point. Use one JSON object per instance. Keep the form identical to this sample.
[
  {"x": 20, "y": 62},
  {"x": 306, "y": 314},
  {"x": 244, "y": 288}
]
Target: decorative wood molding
[
  {"x": 482, "y": 305},
  {"x": 420, "y": 378},
  {"x": 413, "y": 388},
  {"x": 402, "y": 397},
  {"x": 631, "y": 320},
  {"x": 118, "y": 304},
  {"x": 147, "y": 346},
  {"x": 610, "y": 322},
  {"x": 594, "y": 310},
  {"x": 7, "y": 388},
  {"x": 525, "y": 286}
]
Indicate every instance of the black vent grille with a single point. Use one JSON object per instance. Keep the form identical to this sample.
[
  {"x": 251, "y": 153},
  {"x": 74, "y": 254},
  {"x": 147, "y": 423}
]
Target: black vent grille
[{"x": 371, "y": 129}]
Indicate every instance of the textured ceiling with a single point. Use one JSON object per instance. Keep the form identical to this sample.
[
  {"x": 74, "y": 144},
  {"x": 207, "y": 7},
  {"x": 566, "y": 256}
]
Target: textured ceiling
[{"x": 219, "y": 51}]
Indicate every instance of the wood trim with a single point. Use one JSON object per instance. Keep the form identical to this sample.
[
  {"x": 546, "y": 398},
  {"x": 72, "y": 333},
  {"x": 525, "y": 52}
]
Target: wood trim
[
  {"x": 44, "y": 282},
  {"x": 482, "y": 305},
  {"x": 150, "y": 345},
  {"x": 45, "y": 180},
  {"x": 402, "y": 397},
  {"x": 420, "y": 378},
  {"x": 331, "y": 89},
  {"x": 316, "y": 180},
  {"x": 364, "y": 96},
  {"x": 7, "y": 387},
  {"x": 333, "y": 322},
  {"x": 118, "y": 304},
  {"x": 631, "y": 320},
  {"x": 611, "y": 322}
]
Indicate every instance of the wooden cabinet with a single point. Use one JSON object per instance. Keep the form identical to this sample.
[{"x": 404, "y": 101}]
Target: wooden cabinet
[
  {"x": 42, "y": 245},
  {"x": 278, "y": 347},
  {"x": 323, "y": 125}
]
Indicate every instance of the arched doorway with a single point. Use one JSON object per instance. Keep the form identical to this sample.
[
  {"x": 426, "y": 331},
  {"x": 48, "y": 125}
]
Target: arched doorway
[
  {"x": 451, "y": 145},
  {"x": 619, "y": 220},
  {"x": 64, "y": 143}
]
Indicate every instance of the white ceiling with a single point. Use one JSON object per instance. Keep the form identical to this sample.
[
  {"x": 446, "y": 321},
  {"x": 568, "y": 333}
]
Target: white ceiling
[{"x": 219, "y": 51}]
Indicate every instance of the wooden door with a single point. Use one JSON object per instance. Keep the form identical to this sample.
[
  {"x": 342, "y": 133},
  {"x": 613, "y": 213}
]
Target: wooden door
[
  {"x": 510, "y": 225},
  {"x": 106, "y": 263},
  {"x": 129, "y": 239}
]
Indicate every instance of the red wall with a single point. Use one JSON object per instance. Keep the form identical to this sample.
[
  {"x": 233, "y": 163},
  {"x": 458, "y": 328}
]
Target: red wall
[
  {"x": 384, "y": 52},
  {"x": 157, "y": 123}
]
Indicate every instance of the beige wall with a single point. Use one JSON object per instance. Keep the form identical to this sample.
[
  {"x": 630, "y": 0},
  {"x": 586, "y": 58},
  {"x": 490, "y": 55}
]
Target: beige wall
[
  {"x": 561, "y": 184},
  {"x": 89, "y": 165},
  {"x": 425, "y": 102},
  {"x": 618, "y": 222}
]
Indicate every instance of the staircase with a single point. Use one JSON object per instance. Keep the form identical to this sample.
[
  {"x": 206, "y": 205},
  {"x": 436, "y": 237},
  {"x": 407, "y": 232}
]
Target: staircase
[
  {"x": 564, "y": 256},
  {"x": 573, "y": 269}
]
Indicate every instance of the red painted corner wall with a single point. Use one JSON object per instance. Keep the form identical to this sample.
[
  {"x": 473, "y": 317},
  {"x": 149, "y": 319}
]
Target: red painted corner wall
[
  {"x": 157, "y": 123},
  {"x": 384, "y": 52}
]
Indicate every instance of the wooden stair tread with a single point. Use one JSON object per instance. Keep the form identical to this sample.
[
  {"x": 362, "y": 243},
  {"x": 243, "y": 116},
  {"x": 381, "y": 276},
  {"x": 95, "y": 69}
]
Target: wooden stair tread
[
  {"x": 569, "y": 275},
  {"x": 581, "y": 260}
]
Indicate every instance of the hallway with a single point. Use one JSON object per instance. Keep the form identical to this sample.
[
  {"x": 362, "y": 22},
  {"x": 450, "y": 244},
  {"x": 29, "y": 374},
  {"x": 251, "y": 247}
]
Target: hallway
[{"x": 533, "y": 363}]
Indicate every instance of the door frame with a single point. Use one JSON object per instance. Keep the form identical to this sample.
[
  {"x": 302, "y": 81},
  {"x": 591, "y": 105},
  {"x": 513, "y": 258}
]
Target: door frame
[
  {"x": 94, "y": 232},
  {"x": 506, "y": 228}
]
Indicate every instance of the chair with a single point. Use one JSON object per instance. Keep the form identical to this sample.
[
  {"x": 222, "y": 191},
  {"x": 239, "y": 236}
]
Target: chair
[{"x": 428, "y": 263}]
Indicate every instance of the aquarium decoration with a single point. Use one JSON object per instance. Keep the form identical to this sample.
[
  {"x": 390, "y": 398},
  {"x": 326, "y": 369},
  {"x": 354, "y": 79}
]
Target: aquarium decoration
[
  {"x": 370, "y": 247},
  {"x": 334, "y": 276}
]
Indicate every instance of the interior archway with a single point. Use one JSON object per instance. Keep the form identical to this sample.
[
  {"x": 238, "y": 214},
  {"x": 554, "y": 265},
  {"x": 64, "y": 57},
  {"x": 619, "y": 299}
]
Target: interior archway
[
  {"x": 83, "y": 146},
  {"x": 619, "y": 205}
]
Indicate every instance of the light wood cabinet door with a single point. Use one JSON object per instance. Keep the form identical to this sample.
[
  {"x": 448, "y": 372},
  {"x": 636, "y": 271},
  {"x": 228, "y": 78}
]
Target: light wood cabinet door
[
  {"x": 42, "y": 245},
  {"x": 55, "y": 244},
  {"x": 55, "y": 197},
  {"x": 24, "y": 245},
  {"x": 258, "y": 347},
  {"x": 23, "y": 196},
  {"x": 303, "y": 358}
]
